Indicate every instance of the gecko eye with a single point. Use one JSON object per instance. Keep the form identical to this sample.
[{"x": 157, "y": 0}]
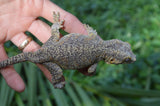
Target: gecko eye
[{"x": 112, "y": 60}]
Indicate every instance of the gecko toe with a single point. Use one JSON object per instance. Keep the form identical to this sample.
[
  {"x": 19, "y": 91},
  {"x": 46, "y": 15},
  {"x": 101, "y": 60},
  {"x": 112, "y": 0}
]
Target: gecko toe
[{"x": 59, "y": 85}]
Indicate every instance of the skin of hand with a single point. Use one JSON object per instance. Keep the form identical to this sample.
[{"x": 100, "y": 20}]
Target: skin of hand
[{"x": 18, "y": 16}]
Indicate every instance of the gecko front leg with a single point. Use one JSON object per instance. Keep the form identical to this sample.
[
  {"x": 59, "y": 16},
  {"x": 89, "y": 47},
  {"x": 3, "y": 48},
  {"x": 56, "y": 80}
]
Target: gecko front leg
[
  {"x": 89, "y": 71},
  {"x": 92, "y": 68}
]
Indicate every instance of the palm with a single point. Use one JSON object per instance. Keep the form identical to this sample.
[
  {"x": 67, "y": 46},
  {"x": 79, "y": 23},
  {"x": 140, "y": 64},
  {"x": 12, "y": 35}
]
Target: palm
[{"x": 18, "y": 16}]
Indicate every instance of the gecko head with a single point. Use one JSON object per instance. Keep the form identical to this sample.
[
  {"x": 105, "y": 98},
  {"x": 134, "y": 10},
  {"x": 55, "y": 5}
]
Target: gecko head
[{"x": 119, "y": 52}]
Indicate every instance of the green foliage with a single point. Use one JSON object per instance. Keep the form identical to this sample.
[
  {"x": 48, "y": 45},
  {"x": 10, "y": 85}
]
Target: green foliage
[{"x": 134, "y": 21}]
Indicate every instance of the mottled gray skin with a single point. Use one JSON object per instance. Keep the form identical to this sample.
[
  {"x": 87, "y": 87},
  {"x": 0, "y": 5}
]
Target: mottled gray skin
[{"x": 74, "y": 51}]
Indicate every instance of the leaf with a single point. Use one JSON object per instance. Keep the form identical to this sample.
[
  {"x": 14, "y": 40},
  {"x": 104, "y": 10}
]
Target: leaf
[
  {"x": 86, "y": 101},
  {"x": 59, "y": 95},
  {"x": 73, "y": 95},
  {"x": 31, "y": 73}
]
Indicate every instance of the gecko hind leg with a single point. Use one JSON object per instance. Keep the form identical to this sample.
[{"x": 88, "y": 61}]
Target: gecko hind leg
[
  {"x": 55, "y": 34},
  {"x": 57, "y": 24},
  {"x": 58, "y": 79}
]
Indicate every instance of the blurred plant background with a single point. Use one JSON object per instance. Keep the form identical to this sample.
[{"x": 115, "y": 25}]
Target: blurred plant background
[{"x": 137, "y": 84}]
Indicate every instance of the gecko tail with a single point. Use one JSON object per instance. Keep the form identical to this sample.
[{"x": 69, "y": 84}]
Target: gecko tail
[{"x": 13, "y": 60}]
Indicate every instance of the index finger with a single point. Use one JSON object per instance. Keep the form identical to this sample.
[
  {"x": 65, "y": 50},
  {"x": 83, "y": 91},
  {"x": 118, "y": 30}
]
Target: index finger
[{"x": 72, "y": 24}]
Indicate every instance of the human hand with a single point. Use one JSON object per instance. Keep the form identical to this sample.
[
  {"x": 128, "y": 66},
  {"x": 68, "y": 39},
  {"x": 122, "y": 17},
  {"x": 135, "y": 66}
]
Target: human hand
[{"x": 18, "y": 16}]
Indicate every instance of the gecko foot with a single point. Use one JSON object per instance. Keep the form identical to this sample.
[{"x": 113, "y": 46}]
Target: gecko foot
[
  {"x": 60, "y": 82},
  {"x": 91, "y": 71},
  {"x": 59, "y": 85},
  {"x": 57, "y": 23}
]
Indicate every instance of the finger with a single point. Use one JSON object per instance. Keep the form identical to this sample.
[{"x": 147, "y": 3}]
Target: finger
[
  {"x": 10, "y": 75},
  {"x": 31, "y": 47},
  {"x": 72, "y": 24},
  {"x": 41, "y": 30}
]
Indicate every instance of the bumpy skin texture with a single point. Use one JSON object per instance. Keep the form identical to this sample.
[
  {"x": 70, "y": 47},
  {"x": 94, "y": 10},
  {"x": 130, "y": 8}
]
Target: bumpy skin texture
[{"x": 74, "y": 51}]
